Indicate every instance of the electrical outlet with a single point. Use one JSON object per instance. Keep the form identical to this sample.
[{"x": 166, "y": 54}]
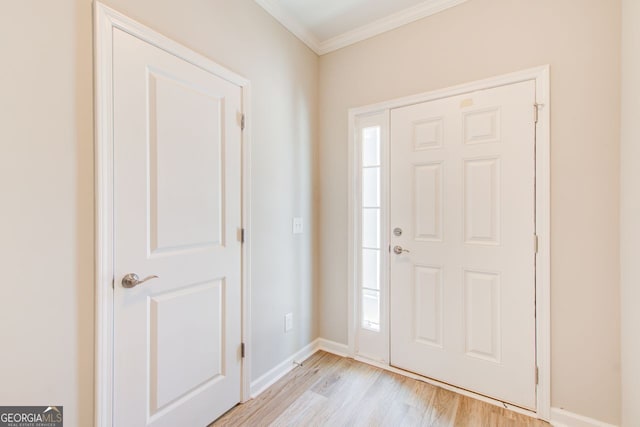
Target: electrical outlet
[
  {"x": 298, "y": 227},
  {"x": 288, "y": 322}
]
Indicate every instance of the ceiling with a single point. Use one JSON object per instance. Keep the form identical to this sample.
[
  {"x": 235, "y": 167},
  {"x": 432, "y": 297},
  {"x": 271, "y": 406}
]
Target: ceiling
[{"x": 328, "y": 25}]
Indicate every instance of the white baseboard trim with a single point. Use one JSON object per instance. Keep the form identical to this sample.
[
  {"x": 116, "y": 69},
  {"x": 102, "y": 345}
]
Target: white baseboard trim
[
  {"x": 333, "y": 347},
  {"x": 562, "y": 418},
  {"x": 271, "y": 377}
]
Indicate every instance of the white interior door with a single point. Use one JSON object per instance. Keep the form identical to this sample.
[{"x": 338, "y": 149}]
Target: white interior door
[
  {"x": 177, "y": 359},
  {"x": 462, "y": 193}
]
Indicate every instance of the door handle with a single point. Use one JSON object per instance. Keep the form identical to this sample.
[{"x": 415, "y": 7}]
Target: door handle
[
  {"x": 132, "y": 280},
  {"x": 398, "y": 250}
]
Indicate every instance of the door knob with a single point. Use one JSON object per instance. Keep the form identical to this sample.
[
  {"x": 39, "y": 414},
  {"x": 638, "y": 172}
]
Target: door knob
[
  {"x": 132, "y": 280},
  {"x": 398, "y": 250}
]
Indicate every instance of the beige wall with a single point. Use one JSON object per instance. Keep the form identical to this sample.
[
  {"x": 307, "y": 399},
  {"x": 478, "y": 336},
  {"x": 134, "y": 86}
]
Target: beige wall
[
  {"x": 46, "y": 184},
  {"x": 630, "y": 213},
  {"x": 46, "y": 215},
  {"x": 580, "y": 39}
]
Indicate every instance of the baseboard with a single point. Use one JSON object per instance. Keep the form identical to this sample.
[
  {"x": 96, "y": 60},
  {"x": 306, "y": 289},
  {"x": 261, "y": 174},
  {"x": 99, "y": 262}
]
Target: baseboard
[
  {"x": 562, "y": 418},
  {"x": 333, "y": 347},
  {"x": 271, "y": 377}
]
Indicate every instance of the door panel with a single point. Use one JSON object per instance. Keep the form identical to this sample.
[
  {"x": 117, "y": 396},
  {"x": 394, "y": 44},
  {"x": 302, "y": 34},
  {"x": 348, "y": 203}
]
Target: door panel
[
  {"x": 483, "y": 338},
  {"x": 198, "y": 309},
  {"x": 428, "y": 201},
  {"x": 428, "y": 307},
  {"x": 184, "y": 219},
  {"x": 177, "y": 214},
  {"x": 462, "y": 191},
  {"x": 482, "y": 201}
]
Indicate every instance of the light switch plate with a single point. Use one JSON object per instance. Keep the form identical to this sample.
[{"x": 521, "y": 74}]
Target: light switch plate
[
  {"x": 288, "y": 322},
  {"x": 298, "y": 227}
]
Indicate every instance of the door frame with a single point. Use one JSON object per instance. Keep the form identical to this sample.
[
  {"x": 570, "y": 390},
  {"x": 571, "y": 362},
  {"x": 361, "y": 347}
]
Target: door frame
[
  {"x": 105, "y": 21},
  {"x": 540, "y": 75}
]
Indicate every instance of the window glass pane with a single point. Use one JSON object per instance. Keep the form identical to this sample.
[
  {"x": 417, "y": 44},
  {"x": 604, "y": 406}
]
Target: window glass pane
[
  {"x": 370, "y": 255},
  {"x": 371, "y": 310},
  {"x": 371, "y": 268},
  {"x": 371, "y": 146},
  {"x": 371, "y": 228},
  {"x": 371, "y": 187}
]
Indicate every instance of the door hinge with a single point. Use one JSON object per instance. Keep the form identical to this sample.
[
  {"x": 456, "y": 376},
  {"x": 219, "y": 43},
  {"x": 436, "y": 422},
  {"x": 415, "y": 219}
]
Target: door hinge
[
  {"x": 242, "y": 235},
  {"x": 536, "y": 109},
  {"x": 242, "y": 350},
  {"x": 537, "y": 375},
  {"x": 242, "y": 122},
  {"x": 535, "y": 243}
]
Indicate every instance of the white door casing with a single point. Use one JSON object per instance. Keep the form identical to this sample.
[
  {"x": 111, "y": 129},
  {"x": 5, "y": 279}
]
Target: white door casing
[
  {"x": 463, "y": 192},
  {"x": 169, "y": 163}
]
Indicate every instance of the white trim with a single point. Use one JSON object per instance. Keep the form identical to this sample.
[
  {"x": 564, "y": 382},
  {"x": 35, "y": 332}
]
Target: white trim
[
  {"x": 246, "y": 247},
  {"x": 105, "y": 20},
  {"x": 539, "y": 74},
  {"x": 352, "y": 236},
  {"x": 543, "y": 230},
  {"x": 333, "y": 347},
  {"x": 562, "y": 418},
  {"x": 291, "y": 23},
  {"x": 543, "y": 210},
  {"x": 274, "y": 375},
  {"x": 388, "y": 23},
  {"x": 104, "y": 217}
]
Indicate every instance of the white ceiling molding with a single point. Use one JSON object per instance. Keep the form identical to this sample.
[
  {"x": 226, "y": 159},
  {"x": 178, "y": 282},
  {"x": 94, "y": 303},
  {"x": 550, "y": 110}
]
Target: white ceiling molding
[
  {"x": 388, "y": 23},
  {"x": 291, "y": 23},
  {"x": 391, "y": 22}
]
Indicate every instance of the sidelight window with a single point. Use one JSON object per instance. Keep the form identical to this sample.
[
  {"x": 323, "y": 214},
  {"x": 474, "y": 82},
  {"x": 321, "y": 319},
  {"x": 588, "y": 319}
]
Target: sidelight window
[{"x": 370, "y": 246}]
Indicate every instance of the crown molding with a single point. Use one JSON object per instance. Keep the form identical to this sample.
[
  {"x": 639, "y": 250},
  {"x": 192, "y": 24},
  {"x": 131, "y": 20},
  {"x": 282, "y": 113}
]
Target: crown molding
[
  {"x": 391, "y": 22},
  {"x": 291, "y": 23}
]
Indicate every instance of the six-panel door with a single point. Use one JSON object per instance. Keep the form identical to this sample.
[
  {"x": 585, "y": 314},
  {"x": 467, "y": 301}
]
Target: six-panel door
[{"x": 462, "y": 190}]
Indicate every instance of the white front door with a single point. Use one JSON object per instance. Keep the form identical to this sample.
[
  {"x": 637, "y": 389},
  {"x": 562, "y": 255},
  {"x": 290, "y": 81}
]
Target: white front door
[
  {"x": 177, "y": 215},
  {"x": 462, "y": 198}
]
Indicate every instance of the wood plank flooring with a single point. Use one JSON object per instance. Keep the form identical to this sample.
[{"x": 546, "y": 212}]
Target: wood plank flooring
[{"x": 329, "y": 390}]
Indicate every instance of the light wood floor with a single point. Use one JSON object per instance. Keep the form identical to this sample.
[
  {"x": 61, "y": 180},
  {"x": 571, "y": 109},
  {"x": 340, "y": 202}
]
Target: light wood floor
[{"x": 333, "y": 391}]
